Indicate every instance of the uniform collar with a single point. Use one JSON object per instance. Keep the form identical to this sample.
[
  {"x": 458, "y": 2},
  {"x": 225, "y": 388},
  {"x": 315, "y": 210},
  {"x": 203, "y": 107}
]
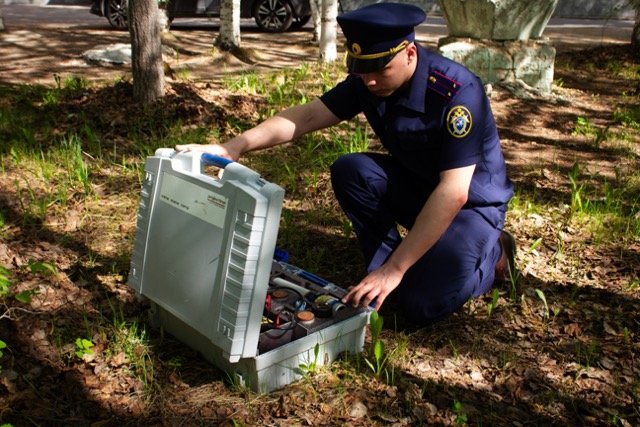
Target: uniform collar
[{"x": 413, "y": 97}]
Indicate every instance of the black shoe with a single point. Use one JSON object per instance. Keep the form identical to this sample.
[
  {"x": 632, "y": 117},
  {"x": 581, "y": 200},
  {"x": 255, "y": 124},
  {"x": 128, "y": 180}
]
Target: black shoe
[{"x": 506, "y": 265}]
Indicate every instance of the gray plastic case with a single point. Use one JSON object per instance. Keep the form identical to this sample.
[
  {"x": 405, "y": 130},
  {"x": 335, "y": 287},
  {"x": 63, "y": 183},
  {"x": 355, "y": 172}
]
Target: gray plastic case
[{"x": 203, "y": 255}]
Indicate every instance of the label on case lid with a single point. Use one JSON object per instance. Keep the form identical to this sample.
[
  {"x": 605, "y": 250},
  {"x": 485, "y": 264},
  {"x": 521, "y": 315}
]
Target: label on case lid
[{"x": 194, "y": 200}]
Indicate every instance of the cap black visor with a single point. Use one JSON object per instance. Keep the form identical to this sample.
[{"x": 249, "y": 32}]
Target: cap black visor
[{"x": 364, "y": 66}]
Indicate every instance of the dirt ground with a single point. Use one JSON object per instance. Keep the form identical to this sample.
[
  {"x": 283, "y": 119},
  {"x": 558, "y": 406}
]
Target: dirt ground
[
  {"x": 34, "y": 52},
  {"x": 509, "y": 369}
]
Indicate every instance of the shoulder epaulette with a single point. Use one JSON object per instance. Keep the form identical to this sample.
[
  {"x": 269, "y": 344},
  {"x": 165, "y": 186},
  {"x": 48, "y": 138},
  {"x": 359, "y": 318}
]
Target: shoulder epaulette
[{"x": 442, "y": 85}]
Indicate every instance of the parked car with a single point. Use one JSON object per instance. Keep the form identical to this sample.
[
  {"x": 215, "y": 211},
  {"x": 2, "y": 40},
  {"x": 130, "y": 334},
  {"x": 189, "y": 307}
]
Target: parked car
[{"x": 273, "y": 16}]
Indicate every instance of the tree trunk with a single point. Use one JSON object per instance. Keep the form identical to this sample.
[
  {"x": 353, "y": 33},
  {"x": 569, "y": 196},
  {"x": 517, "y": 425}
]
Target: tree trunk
[
  {"x": 316, "y": 14},
  {"x": 229, "y": 36},
  {"x": 146, "y": 51},
  {"x": 635, "y": 35},
  {"x": 328, "y": 34}
]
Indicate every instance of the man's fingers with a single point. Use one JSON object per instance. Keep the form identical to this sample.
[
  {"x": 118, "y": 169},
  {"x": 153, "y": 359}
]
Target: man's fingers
[
  {"x": 354, "y": 295},
  {"x": 374, "y": 299},
  {"x": 378, "y": 301},
  {"x": 361, "y": 295},
  {"x": 183, "y": 147}
]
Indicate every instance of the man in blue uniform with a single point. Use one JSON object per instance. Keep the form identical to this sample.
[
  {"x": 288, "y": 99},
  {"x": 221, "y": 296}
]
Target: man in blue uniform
[{"x": 444, "y": 178}]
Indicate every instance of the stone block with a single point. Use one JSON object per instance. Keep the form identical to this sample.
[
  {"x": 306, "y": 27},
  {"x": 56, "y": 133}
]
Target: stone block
[
  {"x": 533, "y": 64},
  {"x": 497, "y": 19},
  {"x": 529, "y": 61}
]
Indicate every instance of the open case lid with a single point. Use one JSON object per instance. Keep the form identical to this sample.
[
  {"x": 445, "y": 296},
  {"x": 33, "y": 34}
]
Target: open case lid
[{"x": 204, "y": 246}]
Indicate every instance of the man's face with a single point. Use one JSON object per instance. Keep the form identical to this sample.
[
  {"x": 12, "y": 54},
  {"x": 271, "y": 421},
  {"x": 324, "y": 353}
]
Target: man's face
[{"x": 394, "y": 75}]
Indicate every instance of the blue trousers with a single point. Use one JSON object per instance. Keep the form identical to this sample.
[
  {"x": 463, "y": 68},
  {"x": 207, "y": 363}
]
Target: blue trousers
[{"x": 376, "y": 194}]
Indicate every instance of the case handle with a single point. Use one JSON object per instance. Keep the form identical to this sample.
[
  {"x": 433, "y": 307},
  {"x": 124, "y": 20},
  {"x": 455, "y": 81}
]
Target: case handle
[{"x": 217, "y": 161}]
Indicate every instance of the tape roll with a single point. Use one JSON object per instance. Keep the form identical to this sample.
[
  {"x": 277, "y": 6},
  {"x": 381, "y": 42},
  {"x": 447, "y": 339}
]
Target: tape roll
[{"x": 305, "y": 317}]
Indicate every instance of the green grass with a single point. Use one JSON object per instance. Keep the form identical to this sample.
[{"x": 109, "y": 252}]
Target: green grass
[
  {"x": 67, "y": 159},
  {"x": 130, "y": 342},
  {"x": 61, "y": 164},
  {"x": 628, "y": 117}
]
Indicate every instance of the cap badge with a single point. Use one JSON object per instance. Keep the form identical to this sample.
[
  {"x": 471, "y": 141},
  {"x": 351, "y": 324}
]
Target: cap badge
[{"x": 459, "y": 122}]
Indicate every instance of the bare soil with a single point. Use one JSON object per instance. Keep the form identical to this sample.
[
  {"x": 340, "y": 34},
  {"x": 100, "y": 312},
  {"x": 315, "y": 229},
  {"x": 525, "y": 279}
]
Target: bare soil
[{"x": 514, "y": 367}]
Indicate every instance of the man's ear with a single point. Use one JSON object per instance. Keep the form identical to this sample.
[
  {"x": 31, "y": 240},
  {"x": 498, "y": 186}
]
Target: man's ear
[{"x": 412, "y": 53}]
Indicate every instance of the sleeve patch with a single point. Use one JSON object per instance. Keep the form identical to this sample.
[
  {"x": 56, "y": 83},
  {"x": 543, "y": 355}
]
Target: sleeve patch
[{"x": 459, "y": 121}]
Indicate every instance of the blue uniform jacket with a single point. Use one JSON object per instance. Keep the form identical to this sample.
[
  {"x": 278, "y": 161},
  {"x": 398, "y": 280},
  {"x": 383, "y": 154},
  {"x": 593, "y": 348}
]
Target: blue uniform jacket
[{"x": 442, "y": 121}]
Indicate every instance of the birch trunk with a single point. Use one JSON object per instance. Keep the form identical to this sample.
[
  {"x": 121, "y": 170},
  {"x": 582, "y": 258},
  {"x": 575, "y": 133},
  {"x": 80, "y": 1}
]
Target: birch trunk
[
  {"x": 316, "y": 13},
  {"x": 229, "y": 36},
  {"x": 146, "y": 51},
  {"x": 328, "y": 34}
]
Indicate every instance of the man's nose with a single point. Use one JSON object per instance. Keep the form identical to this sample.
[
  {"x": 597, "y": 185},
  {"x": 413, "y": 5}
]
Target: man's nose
[{"x": 368, "y": 79}]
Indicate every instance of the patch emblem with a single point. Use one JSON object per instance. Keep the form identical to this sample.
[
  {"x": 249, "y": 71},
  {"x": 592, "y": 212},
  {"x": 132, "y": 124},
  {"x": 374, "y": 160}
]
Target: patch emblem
[{"x": 459, "y": 122}]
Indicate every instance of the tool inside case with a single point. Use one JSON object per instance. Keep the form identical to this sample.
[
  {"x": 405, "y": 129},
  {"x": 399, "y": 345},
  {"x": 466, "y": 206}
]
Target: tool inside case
[{"x": 299, "y": 303}]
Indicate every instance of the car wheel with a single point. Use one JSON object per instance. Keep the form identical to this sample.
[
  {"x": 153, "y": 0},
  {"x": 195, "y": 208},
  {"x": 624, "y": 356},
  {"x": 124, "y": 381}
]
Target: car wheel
[
  {"x": 274, "y": 16},
  {"x": 116, "y": 12},
  {"x": 301, "y": 22}
]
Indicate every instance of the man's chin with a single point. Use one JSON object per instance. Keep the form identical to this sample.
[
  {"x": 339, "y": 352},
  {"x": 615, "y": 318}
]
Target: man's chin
[{"x": 381, "y": 93}]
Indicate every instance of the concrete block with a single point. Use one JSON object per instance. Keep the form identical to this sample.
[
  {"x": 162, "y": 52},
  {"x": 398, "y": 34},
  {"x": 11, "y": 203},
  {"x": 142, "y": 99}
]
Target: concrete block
[
  {"x": 497, "y": 19},
  {"x": 529, "y": 61}
]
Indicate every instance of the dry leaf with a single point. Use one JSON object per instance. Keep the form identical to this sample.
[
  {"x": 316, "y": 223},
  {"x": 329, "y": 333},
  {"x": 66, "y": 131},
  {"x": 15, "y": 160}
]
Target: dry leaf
[{"x": 358, "y": 410}]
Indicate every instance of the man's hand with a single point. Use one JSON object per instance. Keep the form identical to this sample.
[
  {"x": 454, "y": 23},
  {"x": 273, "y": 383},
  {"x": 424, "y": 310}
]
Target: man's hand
[
  {"x": 216, "y": 149},
  {"x": 377, "y": 285},
  {"x": 436, "y": 215}
]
